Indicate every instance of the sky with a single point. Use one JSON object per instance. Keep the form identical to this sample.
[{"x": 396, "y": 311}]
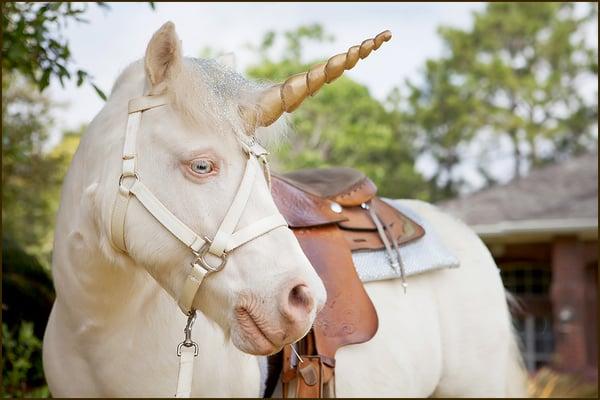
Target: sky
[{"x": 114, "y": 38}]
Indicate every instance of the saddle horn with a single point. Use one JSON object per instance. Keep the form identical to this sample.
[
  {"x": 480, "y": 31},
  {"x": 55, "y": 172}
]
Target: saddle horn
[{"x": 288, "y": 95}]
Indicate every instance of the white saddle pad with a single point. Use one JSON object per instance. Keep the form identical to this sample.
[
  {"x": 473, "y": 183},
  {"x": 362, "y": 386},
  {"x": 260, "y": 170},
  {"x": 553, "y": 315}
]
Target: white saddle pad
[{"x": 424, "y": 254}]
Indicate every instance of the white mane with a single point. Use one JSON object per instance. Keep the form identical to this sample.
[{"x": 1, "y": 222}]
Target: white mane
[{"x": 206, "y": 93}]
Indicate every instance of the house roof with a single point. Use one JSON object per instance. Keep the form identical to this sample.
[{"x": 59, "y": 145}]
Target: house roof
[{"x": 549, "y": 198}]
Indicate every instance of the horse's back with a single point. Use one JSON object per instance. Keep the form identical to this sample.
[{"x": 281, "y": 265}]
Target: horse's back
[{"x": 449, "y": 335}]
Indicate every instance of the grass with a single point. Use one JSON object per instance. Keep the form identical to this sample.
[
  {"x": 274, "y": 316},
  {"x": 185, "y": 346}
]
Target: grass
[{"x": 547, "y": 383}]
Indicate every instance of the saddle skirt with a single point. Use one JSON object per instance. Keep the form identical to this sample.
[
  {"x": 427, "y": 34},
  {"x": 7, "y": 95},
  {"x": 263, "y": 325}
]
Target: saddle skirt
[{"x": 423, "y": 255}]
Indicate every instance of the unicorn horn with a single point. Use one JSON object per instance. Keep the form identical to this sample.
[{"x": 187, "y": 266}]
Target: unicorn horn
[{"x": 291, "y": 93}]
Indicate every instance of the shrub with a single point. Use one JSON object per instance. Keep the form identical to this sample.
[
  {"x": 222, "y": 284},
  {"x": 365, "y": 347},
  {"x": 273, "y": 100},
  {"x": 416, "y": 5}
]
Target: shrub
[{"x": 22, "y": 371}]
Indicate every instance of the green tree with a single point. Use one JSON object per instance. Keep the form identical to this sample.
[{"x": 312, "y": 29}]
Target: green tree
[
  {"x": 342, "y": 125},
  {"x": 27, "y": 173},
  {"x": 22, "y": 371},
  {"x": 33, "y": 43},
  {"x": 32, "y": 173},
  {"x": 441, "y": 115},
  {"x": 517, "y": 73}
]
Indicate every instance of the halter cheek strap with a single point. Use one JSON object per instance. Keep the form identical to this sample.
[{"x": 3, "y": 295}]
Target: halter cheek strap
[{"x": 225, "y": 240}]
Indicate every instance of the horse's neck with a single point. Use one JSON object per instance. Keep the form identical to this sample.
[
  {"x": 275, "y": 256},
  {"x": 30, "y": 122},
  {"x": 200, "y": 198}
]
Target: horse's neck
[{"x": 89, "y": 285}]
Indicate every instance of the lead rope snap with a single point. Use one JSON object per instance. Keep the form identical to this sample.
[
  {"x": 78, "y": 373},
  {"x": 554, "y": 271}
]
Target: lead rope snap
[
  {"x": 187, "y": 341},
  {"x": 187, "y": 351}
]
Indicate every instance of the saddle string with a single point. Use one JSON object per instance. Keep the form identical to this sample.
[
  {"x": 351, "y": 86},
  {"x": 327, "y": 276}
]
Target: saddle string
[
  {"x": 400, "y": 262},
  {"x": 293, "y": 347},
  {"x": 394, "y": 258}
]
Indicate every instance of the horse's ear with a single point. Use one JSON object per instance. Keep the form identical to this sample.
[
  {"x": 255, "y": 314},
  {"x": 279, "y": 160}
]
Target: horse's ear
[
  {"x": 163, "y": 55},
  {"x": 227, "y": 60}
]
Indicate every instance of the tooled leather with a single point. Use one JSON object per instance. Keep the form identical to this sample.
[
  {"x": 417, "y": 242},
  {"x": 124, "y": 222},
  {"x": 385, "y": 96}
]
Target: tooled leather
[
  {"x": 348, "y": 316},
  {"x": 300, "y": 208},
  {"x": 361, "y": 233},
  {"x": 357, "y": 194},
  {"x": 305, "y": 388},
  {"x": 346, "y": 186},
  {"x": 324, "y": 182}
]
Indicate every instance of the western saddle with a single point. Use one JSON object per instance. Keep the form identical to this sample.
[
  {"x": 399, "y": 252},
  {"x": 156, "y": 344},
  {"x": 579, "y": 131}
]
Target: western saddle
[{"x": 333, "y": 212}]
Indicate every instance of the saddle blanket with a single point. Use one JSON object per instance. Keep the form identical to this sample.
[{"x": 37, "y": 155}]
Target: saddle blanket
[{"x": 425, "y": 254}]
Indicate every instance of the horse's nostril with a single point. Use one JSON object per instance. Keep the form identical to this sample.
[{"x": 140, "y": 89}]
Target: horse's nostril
[
  {"x": 300, "y": 297},
  {"x": 299, "y": 303}
]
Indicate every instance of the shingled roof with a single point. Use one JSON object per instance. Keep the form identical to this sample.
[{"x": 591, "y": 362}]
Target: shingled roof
[{"x": 564, "y": 191}]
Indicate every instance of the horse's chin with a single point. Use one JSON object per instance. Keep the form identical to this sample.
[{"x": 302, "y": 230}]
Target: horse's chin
[
  {"x": 254, "y": 346},
  {"x": 249, "y": 337}
]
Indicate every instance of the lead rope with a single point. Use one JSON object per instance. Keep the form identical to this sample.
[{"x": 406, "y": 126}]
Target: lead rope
[{"x": 187, "y": 351}]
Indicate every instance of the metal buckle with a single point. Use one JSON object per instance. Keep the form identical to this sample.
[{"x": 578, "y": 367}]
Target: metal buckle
[
  {"x": 124, "y": 189},
  {"x": 188, "y": 342},
  {"x": 200, "y": 260}
]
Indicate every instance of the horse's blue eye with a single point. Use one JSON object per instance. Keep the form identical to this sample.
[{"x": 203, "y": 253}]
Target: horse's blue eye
[{"x": 202, "y": 166}]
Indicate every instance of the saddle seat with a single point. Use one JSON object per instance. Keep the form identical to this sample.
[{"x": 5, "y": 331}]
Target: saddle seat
[
  {"x": 314, "y": 197},
  {"x": 346, "y": 186},
  {"x": 332, "y": 212}
]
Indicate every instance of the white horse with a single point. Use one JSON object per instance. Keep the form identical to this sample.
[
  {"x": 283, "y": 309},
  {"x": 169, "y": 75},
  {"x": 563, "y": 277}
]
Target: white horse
[{"x": 115, "y": 325}]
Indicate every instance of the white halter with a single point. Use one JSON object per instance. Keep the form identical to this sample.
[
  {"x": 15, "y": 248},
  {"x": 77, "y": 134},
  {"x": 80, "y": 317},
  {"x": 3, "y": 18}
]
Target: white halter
[{"x": 224, "y": 241}]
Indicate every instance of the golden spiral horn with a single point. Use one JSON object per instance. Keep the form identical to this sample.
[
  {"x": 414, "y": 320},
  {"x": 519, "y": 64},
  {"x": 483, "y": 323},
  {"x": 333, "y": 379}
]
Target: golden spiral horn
[{"x": 291, "y": 93}]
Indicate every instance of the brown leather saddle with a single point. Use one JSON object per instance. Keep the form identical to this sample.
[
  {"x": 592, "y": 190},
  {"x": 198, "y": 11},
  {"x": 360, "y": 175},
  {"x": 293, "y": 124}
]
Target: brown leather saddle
[{"x": 333, "y": 212}]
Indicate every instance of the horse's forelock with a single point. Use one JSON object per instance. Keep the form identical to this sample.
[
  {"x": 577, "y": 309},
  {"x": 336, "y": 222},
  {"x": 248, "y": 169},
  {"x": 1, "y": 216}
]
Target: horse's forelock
[{"x": 206, "y": 94}]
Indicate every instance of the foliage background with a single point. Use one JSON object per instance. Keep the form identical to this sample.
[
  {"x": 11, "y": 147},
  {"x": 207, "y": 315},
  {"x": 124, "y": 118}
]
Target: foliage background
[{"x": 515, "y": 73}]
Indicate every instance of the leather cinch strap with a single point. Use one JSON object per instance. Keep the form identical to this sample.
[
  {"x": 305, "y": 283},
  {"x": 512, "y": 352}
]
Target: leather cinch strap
[{"x": 225, "y": 240}]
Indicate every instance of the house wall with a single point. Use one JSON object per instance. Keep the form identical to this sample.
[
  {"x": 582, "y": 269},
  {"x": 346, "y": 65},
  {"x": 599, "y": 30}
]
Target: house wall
[
  {"x": 569, "y": 303},
  {"x": 574, "y": 299}
]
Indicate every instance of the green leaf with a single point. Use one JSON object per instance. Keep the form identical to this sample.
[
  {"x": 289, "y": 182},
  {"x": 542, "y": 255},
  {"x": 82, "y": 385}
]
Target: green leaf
[
  {"x": 45, "y": 80},
  {"x": 81, "y": 76},
  {"x": 99, "y": 92}
]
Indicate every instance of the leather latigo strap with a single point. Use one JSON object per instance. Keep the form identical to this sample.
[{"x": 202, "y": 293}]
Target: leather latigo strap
[
  {"x": 314, "y": 377},
  {"x": 310, "y": 378}
]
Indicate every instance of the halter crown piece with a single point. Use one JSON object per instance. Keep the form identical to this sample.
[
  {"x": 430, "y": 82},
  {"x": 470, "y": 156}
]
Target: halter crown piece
[{"x": 273, "y": 102}]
